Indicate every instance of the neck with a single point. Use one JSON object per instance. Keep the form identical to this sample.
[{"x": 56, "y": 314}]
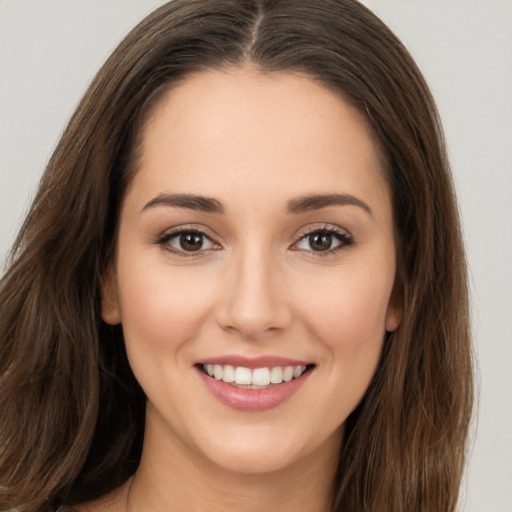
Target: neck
[{"x": 172, "y": 477}]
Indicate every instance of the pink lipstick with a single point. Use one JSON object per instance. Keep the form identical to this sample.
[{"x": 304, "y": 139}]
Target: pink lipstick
[{"x": 253, "y": 384}]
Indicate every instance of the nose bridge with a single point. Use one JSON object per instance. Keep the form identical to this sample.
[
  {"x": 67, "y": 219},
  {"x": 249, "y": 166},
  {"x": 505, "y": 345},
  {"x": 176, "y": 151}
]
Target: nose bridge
[{"x": 254, "y": 300}]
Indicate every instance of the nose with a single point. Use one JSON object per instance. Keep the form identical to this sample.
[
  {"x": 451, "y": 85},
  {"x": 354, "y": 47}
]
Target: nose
[{"x": 254, "y": 300}]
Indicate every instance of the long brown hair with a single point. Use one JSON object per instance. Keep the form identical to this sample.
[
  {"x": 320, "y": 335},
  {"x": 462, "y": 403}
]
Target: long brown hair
[{"x": 72, "y": 414}]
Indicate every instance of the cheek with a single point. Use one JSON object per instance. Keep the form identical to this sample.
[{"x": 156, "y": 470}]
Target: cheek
[
  {"x": 162, "y": 308},
  {"x": 347, "y": 311},
  {"x": 347, "y": 319},
  {"x": 350, "y": 306}
]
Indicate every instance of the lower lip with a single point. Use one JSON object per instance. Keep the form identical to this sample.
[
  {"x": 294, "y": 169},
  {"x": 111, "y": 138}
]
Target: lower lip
[{"x": 253, "y": 399}]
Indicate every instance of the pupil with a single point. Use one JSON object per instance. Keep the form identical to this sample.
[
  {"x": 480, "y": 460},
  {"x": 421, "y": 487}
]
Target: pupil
[
  {"x": 191, "y": 241},
  {"x": 320, "y": 242}
]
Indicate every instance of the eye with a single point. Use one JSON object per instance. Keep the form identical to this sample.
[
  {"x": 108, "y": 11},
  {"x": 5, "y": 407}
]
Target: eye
[
  {"x": 187, "y": 242},
  {"x": 324, "y": 241}
]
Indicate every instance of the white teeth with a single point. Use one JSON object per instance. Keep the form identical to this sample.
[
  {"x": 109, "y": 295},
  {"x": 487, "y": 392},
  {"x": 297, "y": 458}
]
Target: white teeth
[
  {"x": 228, "y": 374},
  {"x": 276, "y": 375},
  {"x": 217, "y": 371},
  {"x": 288, "y": 373},
  {"x": 299, "y": 370},
  {"x": 261, "y": 377},
  {"x": 243, "y": 375},
  {"x": 258, "y": 377}
]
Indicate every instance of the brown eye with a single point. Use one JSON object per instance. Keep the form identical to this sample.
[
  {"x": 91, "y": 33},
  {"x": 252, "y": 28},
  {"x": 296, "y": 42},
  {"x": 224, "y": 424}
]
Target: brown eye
[
  {"x": 320, "y": 241},
  {"x": 324, "y": 241},
  {"x": 191, "y": 241},
  {"x": 185, "y": 242}
]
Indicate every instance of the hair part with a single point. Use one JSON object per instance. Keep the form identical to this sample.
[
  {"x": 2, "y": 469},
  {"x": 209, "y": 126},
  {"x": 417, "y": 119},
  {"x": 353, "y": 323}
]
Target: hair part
[{"x": 72, "y": 412}]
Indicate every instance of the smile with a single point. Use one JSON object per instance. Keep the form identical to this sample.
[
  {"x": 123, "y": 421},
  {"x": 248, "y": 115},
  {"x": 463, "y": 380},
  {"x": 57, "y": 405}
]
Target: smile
[
  {"x": 257, "y": 378},
  {"x": 253, "y": 385}
]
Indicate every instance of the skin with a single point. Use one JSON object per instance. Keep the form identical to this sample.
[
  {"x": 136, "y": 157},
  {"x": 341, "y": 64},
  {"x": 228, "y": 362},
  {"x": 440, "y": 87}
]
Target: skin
[{"x": 253, "y": 142}]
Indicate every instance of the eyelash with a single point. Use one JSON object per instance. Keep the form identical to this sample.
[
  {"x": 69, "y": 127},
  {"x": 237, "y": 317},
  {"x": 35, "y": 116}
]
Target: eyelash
[
  {"x": 164, "y": 240},
  {"x": 343, "y": 238}
]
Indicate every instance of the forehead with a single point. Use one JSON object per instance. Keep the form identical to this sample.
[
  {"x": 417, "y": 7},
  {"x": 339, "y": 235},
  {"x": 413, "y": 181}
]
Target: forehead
[{"x": 241, "y": 131}]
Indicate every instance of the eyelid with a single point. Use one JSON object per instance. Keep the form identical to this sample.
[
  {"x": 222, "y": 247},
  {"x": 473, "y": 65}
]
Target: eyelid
[
  {"x": 342, "y": 235},
  {"x": 307, "y": 230},
  {"x": 163, "y": 241},
  {"x": 345, "y": 238}
]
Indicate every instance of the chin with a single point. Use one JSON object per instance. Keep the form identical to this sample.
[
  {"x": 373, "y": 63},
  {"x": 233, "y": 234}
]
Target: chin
[
  {"x": 254, "y": 462},
  {"x": 260, "y": 451}
]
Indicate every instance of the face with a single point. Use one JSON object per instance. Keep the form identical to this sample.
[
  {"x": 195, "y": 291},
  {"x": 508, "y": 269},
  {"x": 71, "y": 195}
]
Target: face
[{"x": 255, "y": 269}]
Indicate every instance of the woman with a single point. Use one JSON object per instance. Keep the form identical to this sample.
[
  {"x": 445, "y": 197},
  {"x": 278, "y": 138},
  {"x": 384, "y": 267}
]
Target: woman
[{"x": 241, "y": 285}]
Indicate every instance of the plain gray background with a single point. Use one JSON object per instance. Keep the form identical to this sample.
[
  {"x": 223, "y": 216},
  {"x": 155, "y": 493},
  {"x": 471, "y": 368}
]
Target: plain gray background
[{"x": 50, "y": 50}]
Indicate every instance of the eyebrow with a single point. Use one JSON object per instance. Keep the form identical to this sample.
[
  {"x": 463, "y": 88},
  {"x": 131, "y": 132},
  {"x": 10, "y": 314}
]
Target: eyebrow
[
  {"x": 316, "y": 202},
  {"x": 295, "y": 206},
  {"x": 191, "y": 201}
]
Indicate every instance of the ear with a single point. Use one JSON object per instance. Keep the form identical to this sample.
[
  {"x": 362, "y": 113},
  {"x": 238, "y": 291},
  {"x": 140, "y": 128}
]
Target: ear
[
  {"x": 110, "y": 311},
  {"x": 395, "y": 308}
]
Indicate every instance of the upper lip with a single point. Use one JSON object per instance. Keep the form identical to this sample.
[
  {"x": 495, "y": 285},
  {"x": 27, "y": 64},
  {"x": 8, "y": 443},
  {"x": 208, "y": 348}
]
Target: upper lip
[{"x": 254, "y": 362}]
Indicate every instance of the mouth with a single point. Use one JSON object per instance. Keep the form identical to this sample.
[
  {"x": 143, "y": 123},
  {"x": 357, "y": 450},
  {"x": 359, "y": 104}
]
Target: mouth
[
  {"x": 253, "y": 385},
  {"x": 254, "y": 378}
]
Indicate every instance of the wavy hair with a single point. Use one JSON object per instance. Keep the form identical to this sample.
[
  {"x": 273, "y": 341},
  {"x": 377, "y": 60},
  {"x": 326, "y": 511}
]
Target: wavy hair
[{"x": 71, "y": 412}]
